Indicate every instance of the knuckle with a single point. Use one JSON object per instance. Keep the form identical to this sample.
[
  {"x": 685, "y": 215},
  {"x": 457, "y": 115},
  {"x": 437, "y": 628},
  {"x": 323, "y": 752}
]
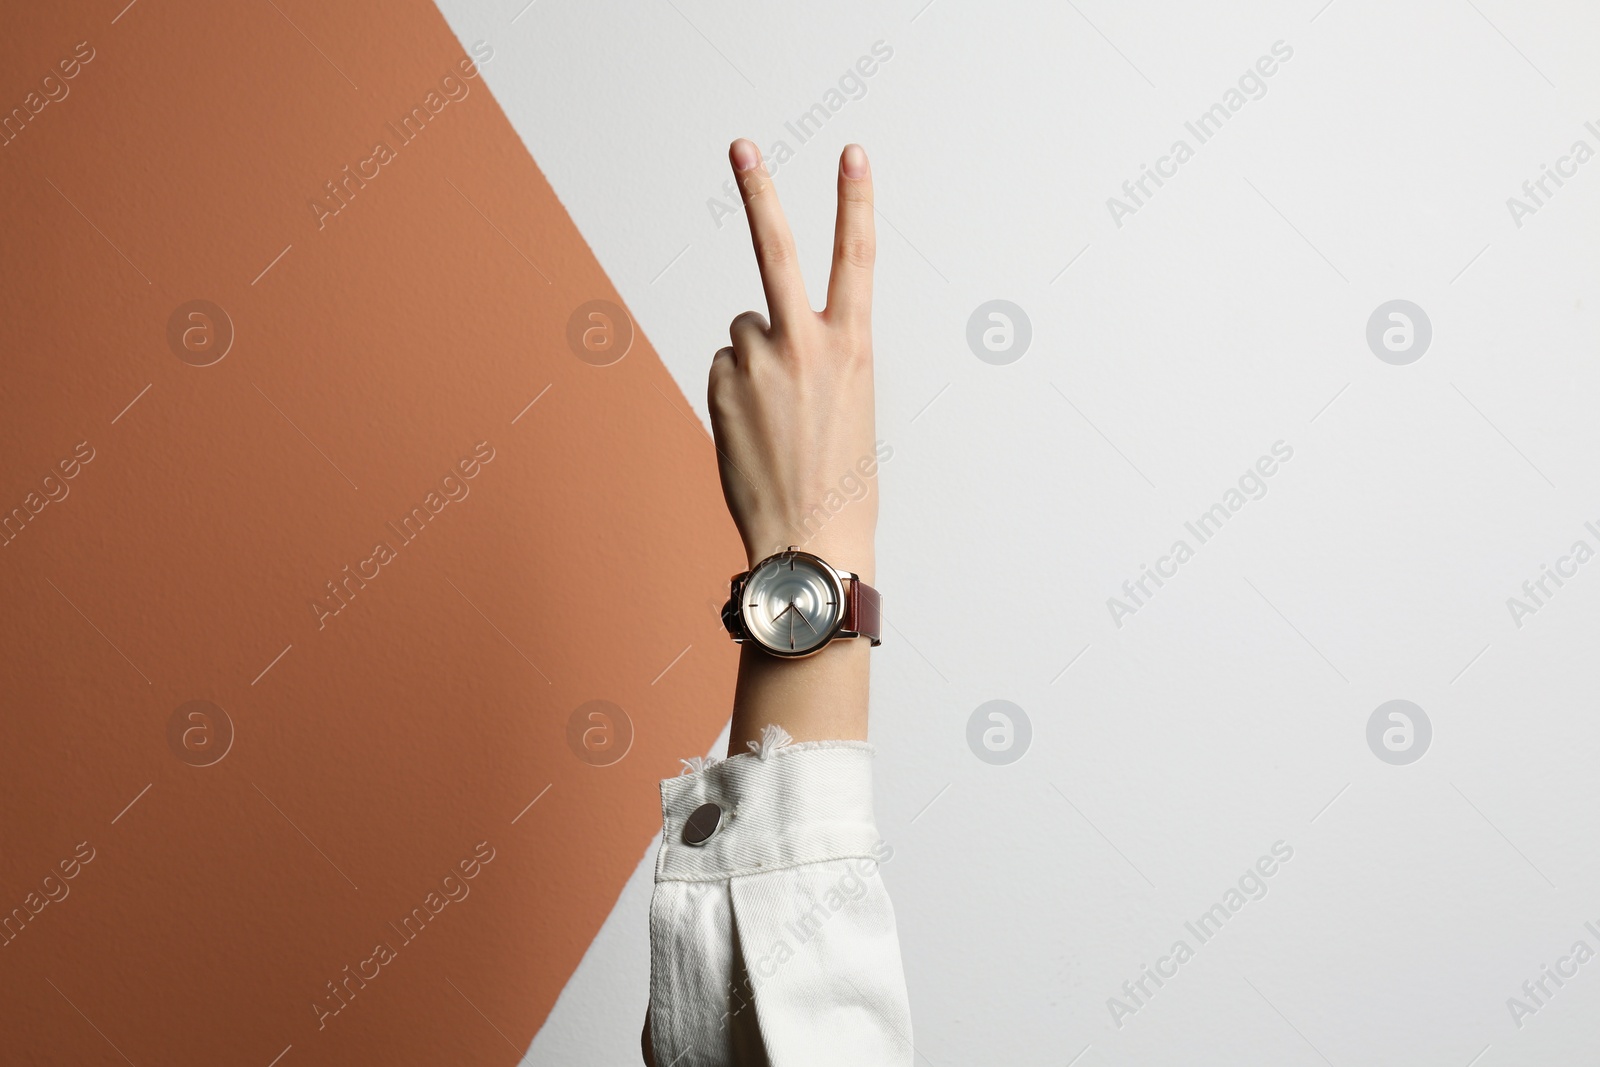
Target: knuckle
[
  {"x": 776, "y": 251},
  {"x": 851, "y": 340},
  {"x": 756, "y": 185},
  {"x": 764, "y": 373},
  {"x": 791, "y": 349},
  {"x": 720, "y": 381},
  {"x": 858, "y": 192},
  {"x": 857, "y": 249}
]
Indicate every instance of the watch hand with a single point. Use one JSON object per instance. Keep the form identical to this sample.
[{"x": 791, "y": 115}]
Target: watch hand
[{"x": 796, "y": 609}]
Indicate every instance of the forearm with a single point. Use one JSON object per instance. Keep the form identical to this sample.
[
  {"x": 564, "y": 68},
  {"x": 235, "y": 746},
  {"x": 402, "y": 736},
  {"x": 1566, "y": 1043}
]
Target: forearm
[
  {"x": 819, "y": 698},
  {"x": 761, "y": 840}
]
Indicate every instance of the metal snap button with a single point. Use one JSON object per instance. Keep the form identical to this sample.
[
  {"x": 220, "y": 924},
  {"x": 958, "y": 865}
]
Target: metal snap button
[{"x": 701, "y": 824}]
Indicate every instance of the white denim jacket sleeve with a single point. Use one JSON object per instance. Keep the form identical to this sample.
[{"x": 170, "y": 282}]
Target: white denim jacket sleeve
[{"x": 773, "y": 942}]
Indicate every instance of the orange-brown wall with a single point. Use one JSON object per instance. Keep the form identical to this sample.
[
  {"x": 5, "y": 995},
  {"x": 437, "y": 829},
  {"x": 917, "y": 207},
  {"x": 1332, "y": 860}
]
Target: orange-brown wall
[{"x": 391, "y": 738}]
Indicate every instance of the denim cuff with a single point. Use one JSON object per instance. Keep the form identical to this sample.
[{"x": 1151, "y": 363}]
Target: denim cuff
[{"x": 781, "y": 805}]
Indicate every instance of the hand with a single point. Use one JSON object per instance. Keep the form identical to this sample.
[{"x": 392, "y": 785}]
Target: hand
[{"x": 791, "y": 400}]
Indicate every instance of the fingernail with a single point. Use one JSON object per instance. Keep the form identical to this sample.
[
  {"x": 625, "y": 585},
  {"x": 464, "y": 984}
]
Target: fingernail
[
  {"x": 744, "y": 154},
  {"x": 854, "y": 162}
]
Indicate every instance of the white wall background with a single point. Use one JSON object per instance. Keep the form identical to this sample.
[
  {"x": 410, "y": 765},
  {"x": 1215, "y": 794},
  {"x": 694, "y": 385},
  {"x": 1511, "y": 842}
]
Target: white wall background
[{"x": 1227, "y": 314}]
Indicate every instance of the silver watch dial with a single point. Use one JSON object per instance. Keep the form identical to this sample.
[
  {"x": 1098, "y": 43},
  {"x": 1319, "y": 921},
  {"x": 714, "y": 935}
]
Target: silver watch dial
[{"x": 793, "y": 603}]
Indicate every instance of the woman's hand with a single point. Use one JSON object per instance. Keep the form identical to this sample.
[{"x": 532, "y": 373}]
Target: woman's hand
[
  {"x": 791, "y": 410},
  {"x": 791, "y": 400}
]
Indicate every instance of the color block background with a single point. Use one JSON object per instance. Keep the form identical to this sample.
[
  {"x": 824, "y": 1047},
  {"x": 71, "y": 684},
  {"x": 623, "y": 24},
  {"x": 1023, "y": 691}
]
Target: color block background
[
  {"x": 371, "y": 753},
  {"x": 1227, "y": 313},
  {"x": 1168, "y": 354}
]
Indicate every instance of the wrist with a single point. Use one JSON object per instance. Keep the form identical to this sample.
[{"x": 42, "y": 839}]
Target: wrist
[{"x": 855, "y": 555}]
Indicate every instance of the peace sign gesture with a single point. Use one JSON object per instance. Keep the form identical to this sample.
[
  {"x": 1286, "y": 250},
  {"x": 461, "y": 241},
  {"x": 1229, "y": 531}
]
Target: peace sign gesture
[{"x": 791, "y": 399}]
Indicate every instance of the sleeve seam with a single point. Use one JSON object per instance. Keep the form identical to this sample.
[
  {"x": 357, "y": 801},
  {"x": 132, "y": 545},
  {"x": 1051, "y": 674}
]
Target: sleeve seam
[{"x": 746, "y": 872}]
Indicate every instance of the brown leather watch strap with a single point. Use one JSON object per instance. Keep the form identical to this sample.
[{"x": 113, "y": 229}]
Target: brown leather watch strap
[
  {"x": 732, "y": 617},
  {"x": 862, "y": 613}
]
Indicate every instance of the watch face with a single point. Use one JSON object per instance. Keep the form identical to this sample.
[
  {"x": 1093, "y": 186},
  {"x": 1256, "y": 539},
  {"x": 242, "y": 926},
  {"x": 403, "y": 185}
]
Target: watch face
[{"x": 793, "y": 603}]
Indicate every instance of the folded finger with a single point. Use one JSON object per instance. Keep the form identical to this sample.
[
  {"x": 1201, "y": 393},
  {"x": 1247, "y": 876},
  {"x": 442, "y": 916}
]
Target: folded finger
[{"x": 746, "y": 329}]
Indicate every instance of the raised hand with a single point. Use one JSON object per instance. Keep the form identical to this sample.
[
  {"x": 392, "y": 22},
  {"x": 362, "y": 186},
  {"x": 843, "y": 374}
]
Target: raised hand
[{"x": 791, "y": 398}]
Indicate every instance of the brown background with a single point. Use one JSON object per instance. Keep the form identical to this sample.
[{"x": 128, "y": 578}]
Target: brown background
[{"x": 184, "y": 558}]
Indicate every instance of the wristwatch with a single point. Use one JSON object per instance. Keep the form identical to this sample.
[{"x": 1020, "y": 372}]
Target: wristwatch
[{"x": 794, "y": 603}]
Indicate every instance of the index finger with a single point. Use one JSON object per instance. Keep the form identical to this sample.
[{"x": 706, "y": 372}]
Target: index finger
[{"x": 769, "y": 233}]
